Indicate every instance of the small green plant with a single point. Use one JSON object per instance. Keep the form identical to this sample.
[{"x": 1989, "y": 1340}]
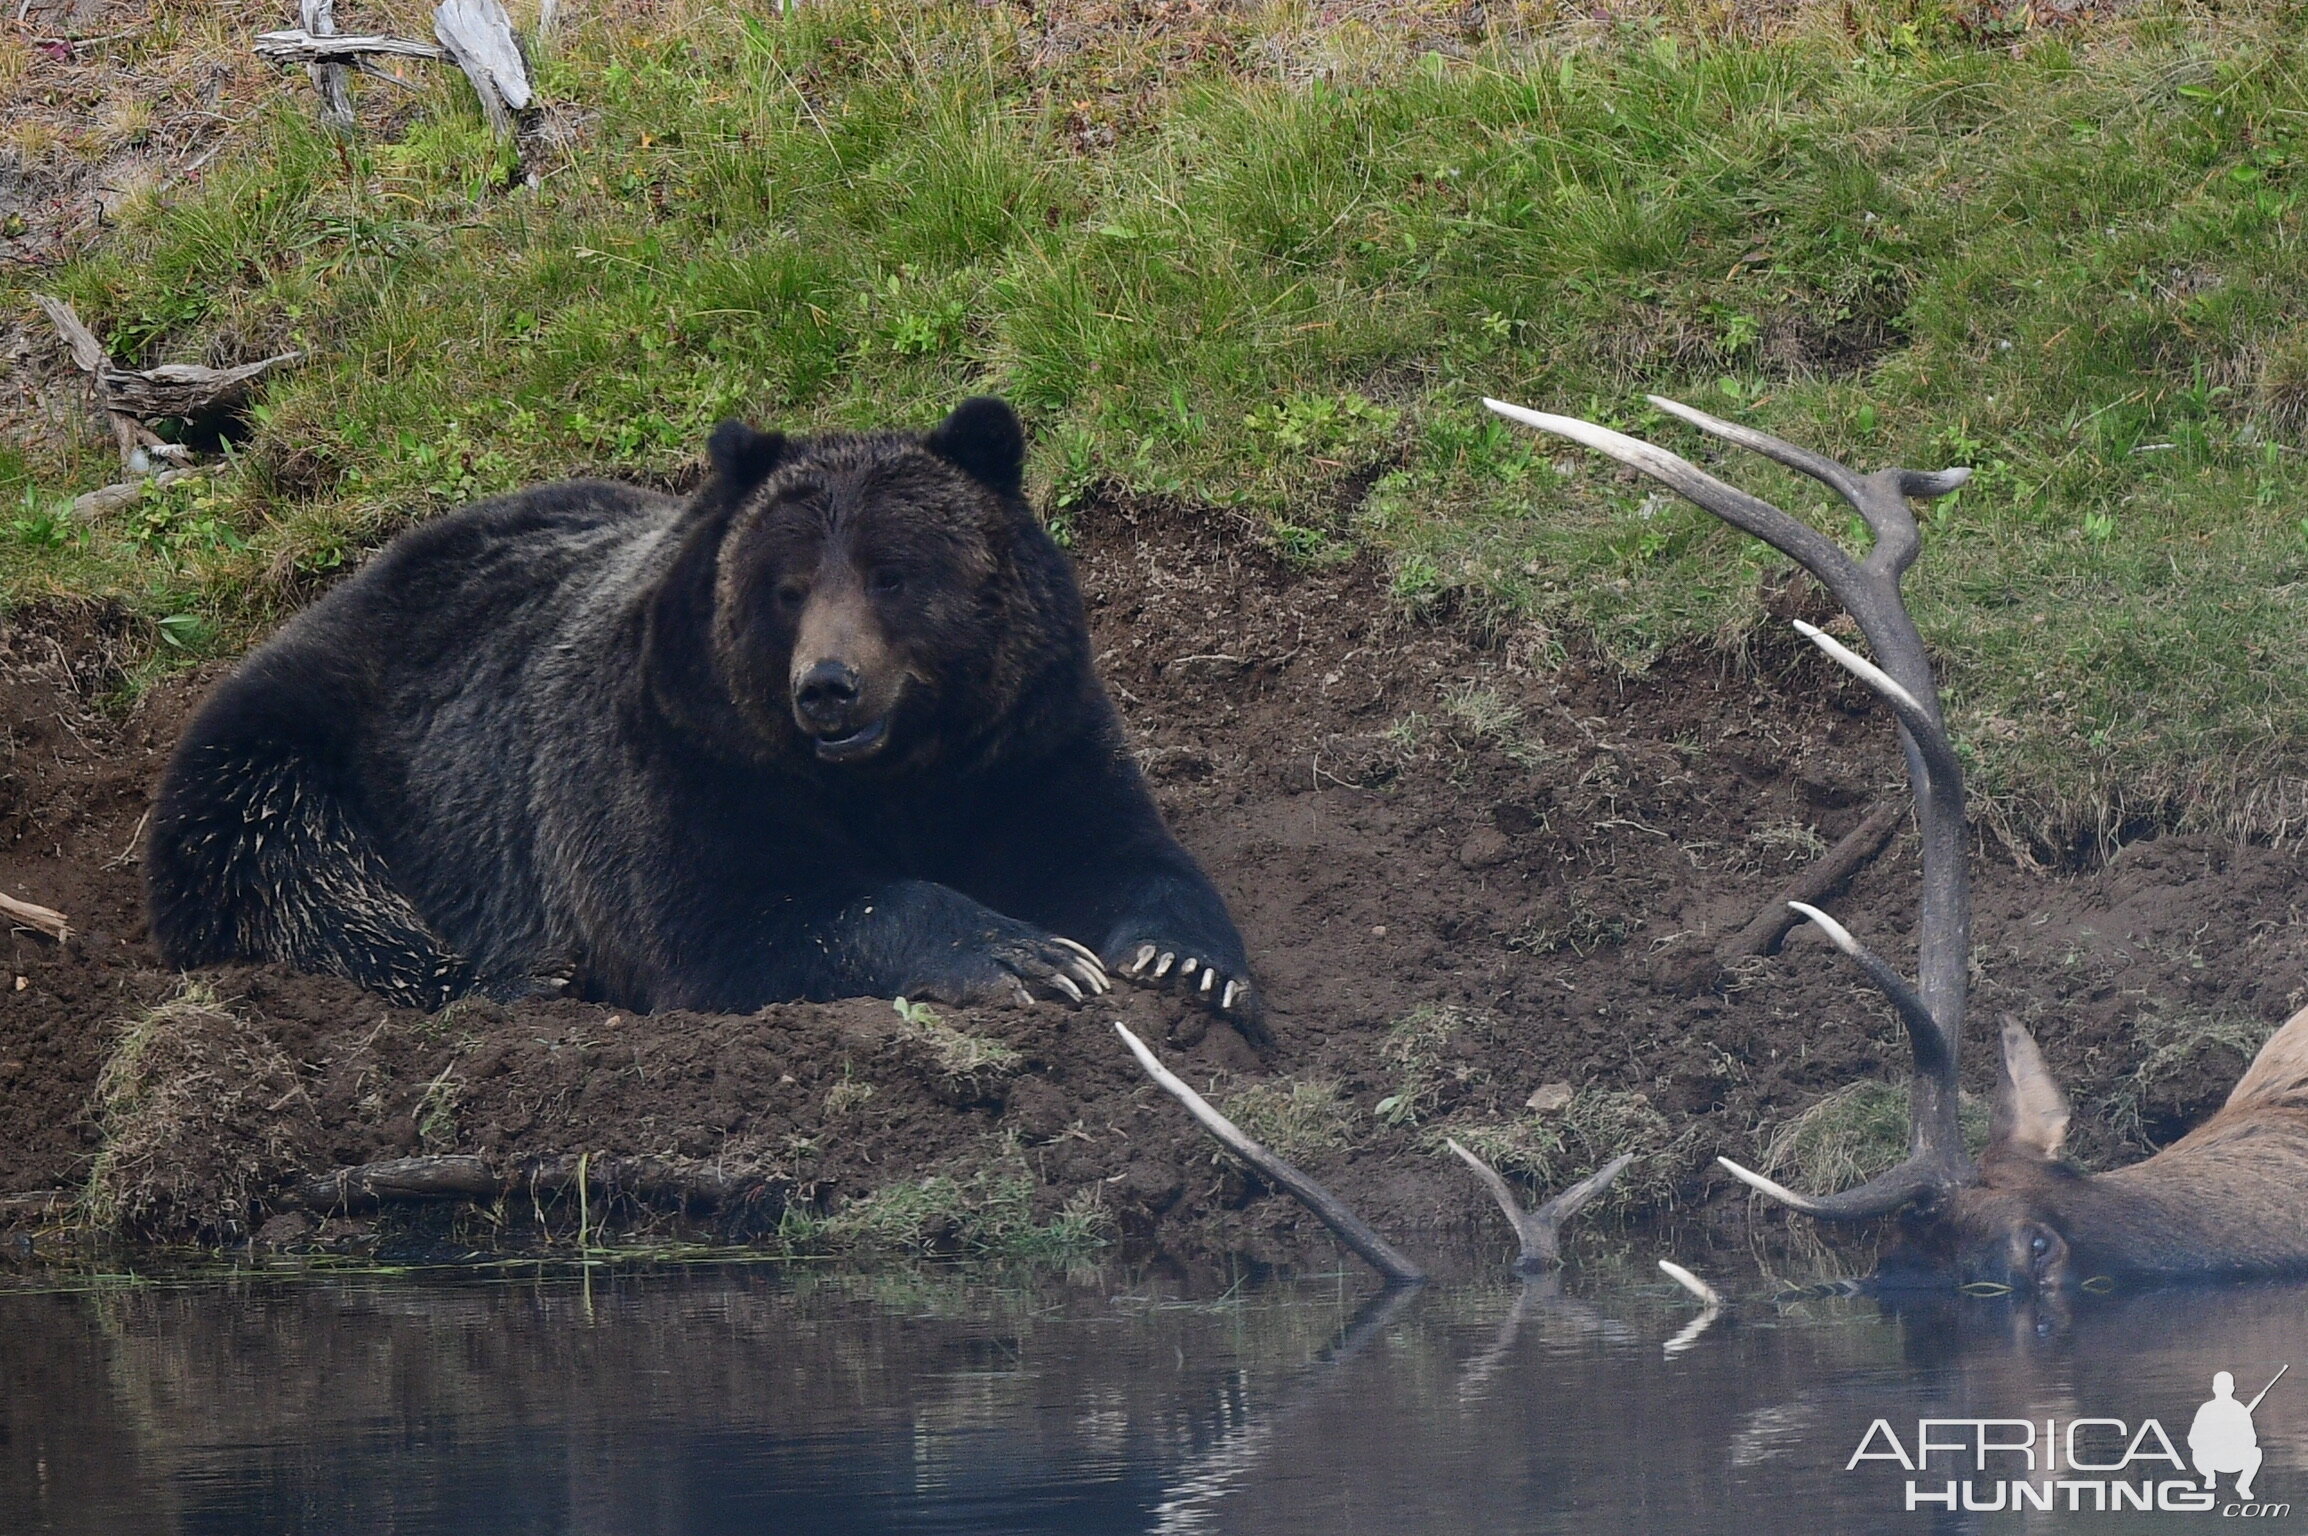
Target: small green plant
[
  {"x": 42, "y": 524},
  {"x": 1345, "y": 424},
  {"x": 955, "y": 1052}
]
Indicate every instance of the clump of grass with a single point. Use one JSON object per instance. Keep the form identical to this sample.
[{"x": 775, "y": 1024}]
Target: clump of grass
[
  {"x": 2174, "y": 1046},
  {"x": 1780, "y": 845},
  {"x": 849, "y": 1092},
  {"x": 1292, "y": 1117},
  {"x": 1554, "y": 1149},
  {"x": 1489, "y": 716},
  {"x": 436, "y": 1111},
  {"x": 201, "y": 1113},
  {"x": 1852, "y": 1134},
  {"x": 2284, "y": 383},
  {"x": 986, "y": 1214},
  {"x": 1420, "y": 1048}
]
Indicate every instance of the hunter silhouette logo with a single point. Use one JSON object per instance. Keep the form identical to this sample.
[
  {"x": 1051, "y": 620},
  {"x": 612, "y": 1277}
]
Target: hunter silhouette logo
[
  {"x": 2084, "y": 1465},
  {"x": 2223, "y": 1440}
]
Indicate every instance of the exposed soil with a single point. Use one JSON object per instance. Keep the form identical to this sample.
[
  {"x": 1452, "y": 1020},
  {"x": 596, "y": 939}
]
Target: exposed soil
[{"x": 1529, "y": 863}]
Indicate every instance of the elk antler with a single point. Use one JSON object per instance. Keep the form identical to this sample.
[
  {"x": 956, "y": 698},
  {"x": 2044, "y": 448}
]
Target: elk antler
[{"x": 1869, "y": 590}]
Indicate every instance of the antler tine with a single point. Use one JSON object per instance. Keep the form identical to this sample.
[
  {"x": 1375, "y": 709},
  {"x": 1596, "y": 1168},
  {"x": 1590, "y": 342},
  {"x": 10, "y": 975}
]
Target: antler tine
[
  {"x": 1540, "y": 1231},
  {"x": 1797, "y": 540},
  {"x": 1880, "y": 498},
  {"x": 1901, "y": 674}
]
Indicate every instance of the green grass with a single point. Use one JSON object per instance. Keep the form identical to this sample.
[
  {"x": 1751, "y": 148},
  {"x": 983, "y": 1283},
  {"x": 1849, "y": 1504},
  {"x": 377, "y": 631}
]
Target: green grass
[
  {"x": 2070, "y": 260},
  {"x": 988, "y": 1214}
]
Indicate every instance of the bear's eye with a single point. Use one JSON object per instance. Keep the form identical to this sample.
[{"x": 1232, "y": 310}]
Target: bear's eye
[
  {"x": 886, "y": 582},
  {"x": 792, "y": 594}
]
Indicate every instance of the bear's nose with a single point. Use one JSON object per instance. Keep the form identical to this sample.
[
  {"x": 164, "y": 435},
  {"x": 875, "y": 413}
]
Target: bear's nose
[{"x": 826, "y": 693}]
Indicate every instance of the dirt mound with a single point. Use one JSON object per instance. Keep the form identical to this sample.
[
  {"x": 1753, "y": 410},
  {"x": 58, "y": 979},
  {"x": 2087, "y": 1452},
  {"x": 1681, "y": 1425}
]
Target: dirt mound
[{"x": 1483, "y": 890}]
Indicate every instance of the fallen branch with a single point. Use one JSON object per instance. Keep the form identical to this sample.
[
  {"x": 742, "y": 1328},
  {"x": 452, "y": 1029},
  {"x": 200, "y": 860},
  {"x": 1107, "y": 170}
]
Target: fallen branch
[
  {"x": 1862, "y": 843},
  {"x": 130, "y": 397},
  {"x": 36, "y": 1203},
  {"x": 1540, "y": 1231},
  {"x": 95, "y": 506},
  {"x": 1374, "y": 1250},
  {"x": 461, "y": 1176},
  {"x": 301, "y": 45},
  {"x": 31, "y": 915}
]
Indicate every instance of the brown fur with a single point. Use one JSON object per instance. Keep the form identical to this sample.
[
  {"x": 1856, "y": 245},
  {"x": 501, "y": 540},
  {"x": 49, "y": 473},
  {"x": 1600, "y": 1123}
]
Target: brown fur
[{"x": 2228, "y": 1200}]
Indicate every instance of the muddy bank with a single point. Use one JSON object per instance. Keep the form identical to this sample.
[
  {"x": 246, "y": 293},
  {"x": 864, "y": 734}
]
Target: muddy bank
[{"x": 1472, "y": 879}]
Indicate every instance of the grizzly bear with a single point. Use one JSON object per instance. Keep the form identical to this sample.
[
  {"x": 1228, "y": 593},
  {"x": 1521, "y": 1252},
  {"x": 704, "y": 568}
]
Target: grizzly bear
[{"x": 826, "y": 728}]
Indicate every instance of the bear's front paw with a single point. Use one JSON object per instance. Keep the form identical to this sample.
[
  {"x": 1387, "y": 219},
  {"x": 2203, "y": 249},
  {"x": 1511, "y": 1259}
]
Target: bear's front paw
[
  {"x": 1157, "y": 963},
  {"x": 1030, "y": 959}
]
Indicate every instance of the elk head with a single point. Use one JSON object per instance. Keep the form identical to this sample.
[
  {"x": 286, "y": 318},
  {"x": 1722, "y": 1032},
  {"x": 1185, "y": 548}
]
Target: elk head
[{"x": 2230, "y": 1199}]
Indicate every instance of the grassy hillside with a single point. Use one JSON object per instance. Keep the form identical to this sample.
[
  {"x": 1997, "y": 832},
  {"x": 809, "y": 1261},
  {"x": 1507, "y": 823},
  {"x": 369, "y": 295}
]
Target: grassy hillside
[{"x": 1273, "y": 272}]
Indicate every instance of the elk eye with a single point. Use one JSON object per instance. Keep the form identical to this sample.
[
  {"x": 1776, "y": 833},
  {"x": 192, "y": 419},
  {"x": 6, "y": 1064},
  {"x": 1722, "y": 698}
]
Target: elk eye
[{"x": 2038, "y": 1243}]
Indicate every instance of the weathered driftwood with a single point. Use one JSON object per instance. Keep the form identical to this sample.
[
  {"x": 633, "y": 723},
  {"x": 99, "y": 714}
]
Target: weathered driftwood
[
  {"x": 329, "y": 79},
  {"x": 1540, "y": 1231},
  {"x": 1374, "y": 1250},
  {"x": 303, "y": 45},
  {"x": 32, "y": 915},
  {"x": 185, "y": 389},
  {"x": 131, "y": 397},
  {"x": 461, "y": 1176},
  {"x": 1823, "y": 879},
  {"x": 477, "y": 36},
  {"x": 95, "y": 506}
]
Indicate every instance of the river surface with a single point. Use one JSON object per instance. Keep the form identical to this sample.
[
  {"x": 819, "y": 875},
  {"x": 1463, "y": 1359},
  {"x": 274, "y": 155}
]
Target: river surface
[{"x": 725, "y": 1397}]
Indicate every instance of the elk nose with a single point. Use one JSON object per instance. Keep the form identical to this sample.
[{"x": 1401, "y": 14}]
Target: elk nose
[{"x": 826, "y": 693}]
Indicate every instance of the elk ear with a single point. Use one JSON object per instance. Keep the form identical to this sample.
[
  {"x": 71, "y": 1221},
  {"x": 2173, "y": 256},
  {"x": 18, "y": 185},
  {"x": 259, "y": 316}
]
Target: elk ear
[
  {"x": 982, "y": 438},
  {"x": 2031, "y": 1114}
]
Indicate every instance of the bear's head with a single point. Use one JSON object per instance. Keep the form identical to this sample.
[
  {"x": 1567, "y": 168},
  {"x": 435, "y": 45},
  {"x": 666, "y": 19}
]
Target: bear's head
[{"x": 882, "y": 599}]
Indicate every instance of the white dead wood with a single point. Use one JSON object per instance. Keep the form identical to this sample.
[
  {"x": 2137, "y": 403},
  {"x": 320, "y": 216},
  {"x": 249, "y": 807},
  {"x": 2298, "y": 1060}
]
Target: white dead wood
[
  {"x": 478, "y": 36},
  {"x": 94, "y": 506},
  {"x": 1374, "y": 1250},
  {"x": 132, "y": 397},
  {"x": 300, "y": 45},
  {"x": 330, "y": 80},
  {"x": 27, "y": 914}
]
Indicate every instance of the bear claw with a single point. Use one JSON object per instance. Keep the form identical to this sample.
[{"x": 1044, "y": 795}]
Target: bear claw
[
  {"x": 1163, "y": 969},
  {"x": 1139, "y": 961}
]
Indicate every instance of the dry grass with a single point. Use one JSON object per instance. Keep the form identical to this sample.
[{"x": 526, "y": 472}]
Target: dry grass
[{"x": 201, "y": 1113}]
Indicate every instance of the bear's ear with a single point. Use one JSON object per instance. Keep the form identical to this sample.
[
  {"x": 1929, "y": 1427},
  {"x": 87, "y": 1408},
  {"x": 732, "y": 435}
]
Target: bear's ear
[
  {"x": 982, "y": 438},
  {"x": 742, "y": 457}
]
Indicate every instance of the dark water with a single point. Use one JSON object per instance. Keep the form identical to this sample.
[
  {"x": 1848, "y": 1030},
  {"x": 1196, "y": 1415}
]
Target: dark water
[{"x": 758, "y": 1398}]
